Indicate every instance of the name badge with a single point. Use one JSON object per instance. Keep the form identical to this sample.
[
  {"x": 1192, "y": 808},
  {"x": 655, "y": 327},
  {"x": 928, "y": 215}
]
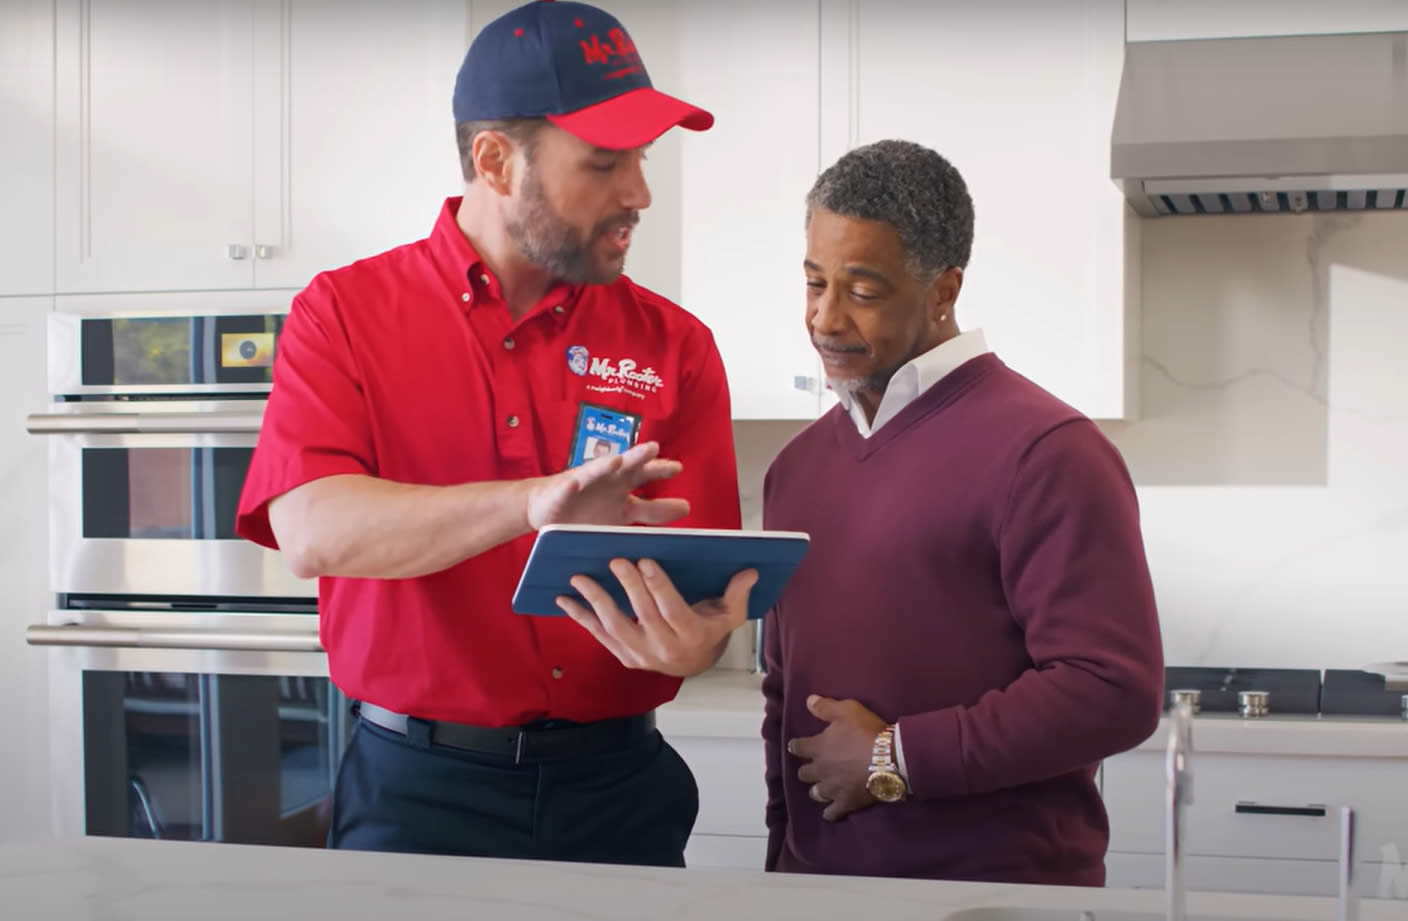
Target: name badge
[{"x": 600, "y": 431}]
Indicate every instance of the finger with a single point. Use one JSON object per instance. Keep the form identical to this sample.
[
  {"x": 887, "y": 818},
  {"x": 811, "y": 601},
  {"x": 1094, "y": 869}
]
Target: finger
[
  {"x": 592, "y": 625},
  {"x": 804, "y": 747},
  {"x": 594, "y": 471},
  {"x": 823, "y": 708},
  {"x": 658, "y": 470},
  {"x": 612, "y": 618},
  {"x": 642, "y": 599},
  {"x": 655, "y": 511},
  {"x": 638, "y": 457},
  {"x": 736, "y": 597},
  {"x": 815, "y": 793},
  {"x": 673, "y": 609},
  {"x": 809, "y": 773}
]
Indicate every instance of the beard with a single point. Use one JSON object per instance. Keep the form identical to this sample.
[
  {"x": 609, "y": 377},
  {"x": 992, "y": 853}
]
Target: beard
[
  {"x": 555, "y": 246},
  {"x": 877, "y": 381}
]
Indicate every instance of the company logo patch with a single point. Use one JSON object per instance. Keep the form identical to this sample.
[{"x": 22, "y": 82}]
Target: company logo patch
[
  {"x": 622, "y": 376},
  {"x": 577, "y": 360}
]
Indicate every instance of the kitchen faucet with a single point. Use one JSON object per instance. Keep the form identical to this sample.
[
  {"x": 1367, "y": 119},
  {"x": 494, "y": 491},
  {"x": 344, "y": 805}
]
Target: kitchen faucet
[{"x": 1180, "y": 793}]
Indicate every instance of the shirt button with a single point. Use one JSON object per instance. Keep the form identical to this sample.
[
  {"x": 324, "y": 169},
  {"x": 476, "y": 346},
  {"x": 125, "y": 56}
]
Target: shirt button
[
  {"x": 465, "y": 297},
  {"x": 513, "y": 422},
  {"x": 484, "y": 279},
  {"x": 559, "y": 309},
  {"x": 508, "y": 343},
  {"x": 557, "y": 673}
]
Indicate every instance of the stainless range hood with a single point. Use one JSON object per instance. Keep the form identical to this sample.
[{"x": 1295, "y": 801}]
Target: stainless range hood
[{"x": 1248, "y": 125}]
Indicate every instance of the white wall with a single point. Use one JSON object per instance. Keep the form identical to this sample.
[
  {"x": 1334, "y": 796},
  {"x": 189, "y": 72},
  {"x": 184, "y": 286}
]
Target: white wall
[{"x": 1271, "y": 454}]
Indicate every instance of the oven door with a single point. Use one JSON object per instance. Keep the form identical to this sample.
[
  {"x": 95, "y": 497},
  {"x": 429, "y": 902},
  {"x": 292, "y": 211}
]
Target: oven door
[
  {"x": 192, "y": 726},
  {"x": 142, "y": 500}
]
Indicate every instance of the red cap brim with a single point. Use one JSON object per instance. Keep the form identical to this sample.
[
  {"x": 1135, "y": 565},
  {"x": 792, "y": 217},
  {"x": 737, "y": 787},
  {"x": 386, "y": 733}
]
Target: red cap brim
[{"x": 632, "y": 119}]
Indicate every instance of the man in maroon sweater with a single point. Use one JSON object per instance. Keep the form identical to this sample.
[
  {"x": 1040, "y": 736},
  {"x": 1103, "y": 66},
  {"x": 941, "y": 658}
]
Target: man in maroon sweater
[{"x": 976, "y": 598}]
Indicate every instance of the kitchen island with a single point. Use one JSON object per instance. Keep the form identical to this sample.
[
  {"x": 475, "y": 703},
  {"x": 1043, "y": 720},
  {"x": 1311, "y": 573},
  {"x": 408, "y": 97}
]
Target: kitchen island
[{"x": 109, "y": 878}]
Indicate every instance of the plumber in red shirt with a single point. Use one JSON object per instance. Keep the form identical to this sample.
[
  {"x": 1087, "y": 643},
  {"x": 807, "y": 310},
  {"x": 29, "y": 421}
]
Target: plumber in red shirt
[{"x": 434, "y": 405}]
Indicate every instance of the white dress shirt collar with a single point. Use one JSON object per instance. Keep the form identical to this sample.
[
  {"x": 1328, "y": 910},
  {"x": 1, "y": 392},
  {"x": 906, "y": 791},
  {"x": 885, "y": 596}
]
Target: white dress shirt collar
[{"x": 915, "y": 377}]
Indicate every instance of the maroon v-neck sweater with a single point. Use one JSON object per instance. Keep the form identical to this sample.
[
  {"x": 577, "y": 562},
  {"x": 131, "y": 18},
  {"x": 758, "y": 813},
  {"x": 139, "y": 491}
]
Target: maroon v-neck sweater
[{"x": 976, "y": 572}]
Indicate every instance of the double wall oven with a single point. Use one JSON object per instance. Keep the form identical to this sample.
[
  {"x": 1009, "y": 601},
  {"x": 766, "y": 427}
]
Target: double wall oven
[{"x": 188, "y": 691}]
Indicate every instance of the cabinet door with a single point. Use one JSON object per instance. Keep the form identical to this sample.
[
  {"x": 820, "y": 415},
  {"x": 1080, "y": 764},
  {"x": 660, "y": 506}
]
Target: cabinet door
[
  {"x": 355, "y": 140},
  {"x": 27, "y": 146},
  {"x": 744, "y": 185},
  {"x": 153, "y": 158},
  {"x": 1157, "y": 20},
  {"x": 1020, "y": 97}
]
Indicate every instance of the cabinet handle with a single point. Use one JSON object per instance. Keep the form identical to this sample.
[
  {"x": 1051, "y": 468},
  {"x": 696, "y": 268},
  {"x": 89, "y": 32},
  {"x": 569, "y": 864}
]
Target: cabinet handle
[
  {"x": 263, "y": 251},
  {"x": 1258, "y": 809},
  {"x": 236, "y": 251}
]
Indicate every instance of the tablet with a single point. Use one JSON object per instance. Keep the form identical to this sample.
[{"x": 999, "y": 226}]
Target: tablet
[{"x": 700, "y": 562}]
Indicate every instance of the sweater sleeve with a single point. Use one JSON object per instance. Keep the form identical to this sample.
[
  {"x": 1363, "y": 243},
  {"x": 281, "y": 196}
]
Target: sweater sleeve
[{"x": 1074, "y": 571}]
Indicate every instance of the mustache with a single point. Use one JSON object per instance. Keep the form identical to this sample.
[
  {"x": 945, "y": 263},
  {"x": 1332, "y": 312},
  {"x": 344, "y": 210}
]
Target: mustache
[
  {"x": 831, "y": 346},
  {"x": 629, "y": 219}
]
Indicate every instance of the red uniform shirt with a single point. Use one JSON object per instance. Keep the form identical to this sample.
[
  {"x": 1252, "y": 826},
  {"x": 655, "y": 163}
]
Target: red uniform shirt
[{"x": 408, "y": 366}]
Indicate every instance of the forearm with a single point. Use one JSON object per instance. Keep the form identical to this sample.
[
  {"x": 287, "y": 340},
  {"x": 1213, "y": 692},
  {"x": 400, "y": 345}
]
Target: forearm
[
  {"x": 361, "y": 527},
  {"x": 1048, "y": 722}
]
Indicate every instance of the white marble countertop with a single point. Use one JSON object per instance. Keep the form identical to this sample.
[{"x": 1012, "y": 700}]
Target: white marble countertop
[
  {"x": 723, "y": 703},
  {"x": 112, "y": 878}
]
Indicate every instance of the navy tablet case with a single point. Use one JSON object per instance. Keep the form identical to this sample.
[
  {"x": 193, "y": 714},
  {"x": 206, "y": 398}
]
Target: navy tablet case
[{"x": 699, "y": 562}]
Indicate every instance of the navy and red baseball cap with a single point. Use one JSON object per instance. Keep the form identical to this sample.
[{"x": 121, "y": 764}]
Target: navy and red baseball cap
[{"x": 576, "y": 66}]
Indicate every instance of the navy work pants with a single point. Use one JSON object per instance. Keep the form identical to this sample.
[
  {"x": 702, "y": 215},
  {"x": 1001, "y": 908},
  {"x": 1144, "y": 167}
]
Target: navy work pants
[{"x": 401, "y": 793}]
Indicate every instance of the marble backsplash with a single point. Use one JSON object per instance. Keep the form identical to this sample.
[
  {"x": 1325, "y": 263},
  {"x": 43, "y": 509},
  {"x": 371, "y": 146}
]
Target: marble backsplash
[{"x": 1271, "y": 451}]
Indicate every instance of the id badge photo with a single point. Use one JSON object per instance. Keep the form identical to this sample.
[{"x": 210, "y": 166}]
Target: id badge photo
[{"x": 600, "y": 431}]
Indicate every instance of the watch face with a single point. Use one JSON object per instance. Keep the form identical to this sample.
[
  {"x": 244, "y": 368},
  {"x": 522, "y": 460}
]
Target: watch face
[{"x": 885, "y": 787}]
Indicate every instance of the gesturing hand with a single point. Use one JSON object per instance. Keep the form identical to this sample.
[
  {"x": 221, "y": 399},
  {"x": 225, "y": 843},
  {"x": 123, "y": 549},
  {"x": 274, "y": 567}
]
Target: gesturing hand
[
  {"x": 599, "y": 492},
  {"x": 667, "y": 635},
  {"x": 838, "y": 758}
]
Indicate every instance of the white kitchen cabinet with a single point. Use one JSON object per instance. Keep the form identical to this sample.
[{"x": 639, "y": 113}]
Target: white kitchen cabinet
[
  {"x": 1259, "y": 823},
  {"x": 743, "y": 200},
  {"x": 153, "y": 156},
  {"x": 354, "y": 139},
  {"x": 225, "y": 144},
  {"x": 1158, "y": 20},
  {"x": 27, "y": 146},
  {"x": 1020, "y": 97}
]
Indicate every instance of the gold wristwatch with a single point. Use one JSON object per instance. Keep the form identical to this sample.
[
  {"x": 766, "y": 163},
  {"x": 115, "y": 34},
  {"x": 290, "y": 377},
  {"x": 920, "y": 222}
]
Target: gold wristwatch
[{"x": 885, "y": 782}]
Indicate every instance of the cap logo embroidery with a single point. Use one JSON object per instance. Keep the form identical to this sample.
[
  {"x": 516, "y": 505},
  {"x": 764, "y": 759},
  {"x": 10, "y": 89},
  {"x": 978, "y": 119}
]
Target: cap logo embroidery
[{"x": 618, "y": 48}]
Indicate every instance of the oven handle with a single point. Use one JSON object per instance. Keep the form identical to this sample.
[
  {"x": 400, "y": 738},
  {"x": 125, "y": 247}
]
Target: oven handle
[
  {"x": 143, "y": 423},
  {"x": 142, "y": 638}
]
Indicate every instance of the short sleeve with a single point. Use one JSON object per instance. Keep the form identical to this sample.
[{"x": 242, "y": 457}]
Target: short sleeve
[{"x": 315, "y": 422}]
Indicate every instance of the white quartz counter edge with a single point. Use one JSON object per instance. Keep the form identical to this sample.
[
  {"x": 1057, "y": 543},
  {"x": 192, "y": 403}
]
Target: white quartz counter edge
[
  {"x": 729, "y": 704},
  {"x": 166, "y": 881}
]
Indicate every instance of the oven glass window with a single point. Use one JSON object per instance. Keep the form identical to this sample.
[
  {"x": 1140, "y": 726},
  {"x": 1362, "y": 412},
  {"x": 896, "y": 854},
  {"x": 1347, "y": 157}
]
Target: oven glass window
[
  {"x": 179, "y": 351},
  {"x": 163, "y": 493},
  {"x": 201, "y": 757}
]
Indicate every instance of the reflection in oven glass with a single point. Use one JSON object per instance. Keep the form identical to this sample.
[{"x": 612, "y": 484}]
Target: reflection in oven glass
[
  {"x": 162, "y": 493},
  {"x": 191, "y": 757},
  {"x": 150, "y": 350}
]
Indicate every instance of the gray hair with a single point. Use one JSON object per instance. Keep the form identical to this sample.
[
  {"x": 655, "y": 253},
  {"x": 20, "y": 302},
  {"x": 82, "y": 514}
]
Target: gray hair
[
  {"x": 522, "y": 131},
  {"x": 913, "y": 189}
]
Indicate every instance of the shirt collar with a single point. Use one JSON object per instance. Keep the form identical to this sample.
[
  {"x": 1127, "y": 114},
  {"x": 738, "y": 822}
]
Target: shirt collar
[
  {"x": 915, "y": 377},
  {"x": 463, "y": 267}
]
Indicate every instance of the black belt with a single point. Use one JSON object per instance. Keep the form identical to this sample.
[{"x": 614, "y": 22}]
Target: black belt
[{"x": 524, "y": 743}]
